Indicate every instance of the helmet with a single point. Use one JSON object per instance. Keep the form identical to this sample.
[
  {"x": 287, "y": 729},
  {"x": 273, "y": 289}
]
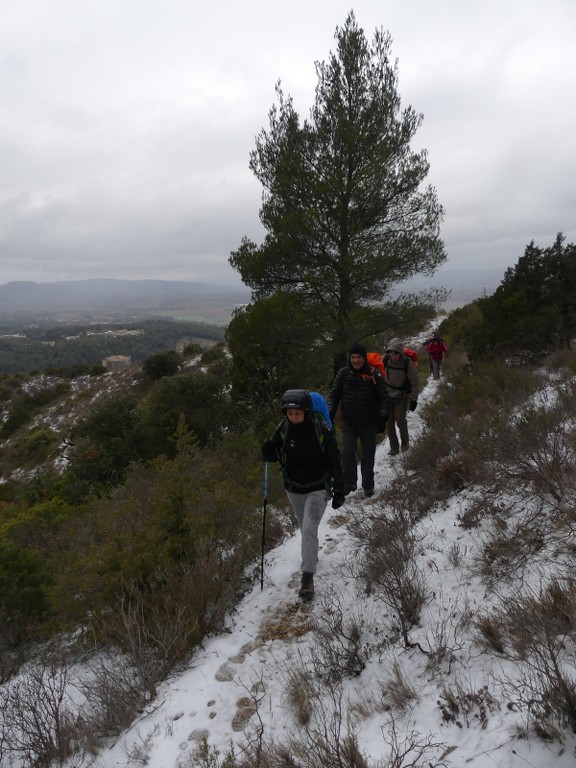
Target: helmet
[{"x": 296, "y": 398}]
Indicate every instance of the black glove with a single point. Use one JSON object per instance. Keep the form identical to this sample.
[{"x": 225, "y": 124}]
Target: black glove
[
  {"x": 413, "y": 404},
  {"x": 338, "y": 499},
  {"x": 269, "y": 452},
  {"x": 381, "y": 424}
]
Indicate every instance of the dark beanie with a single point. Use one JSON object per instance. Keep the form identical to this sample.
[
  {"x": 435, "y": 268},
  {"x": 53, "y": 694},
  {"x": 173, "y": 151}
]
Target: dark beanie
[{"x": 358, "y": 349}]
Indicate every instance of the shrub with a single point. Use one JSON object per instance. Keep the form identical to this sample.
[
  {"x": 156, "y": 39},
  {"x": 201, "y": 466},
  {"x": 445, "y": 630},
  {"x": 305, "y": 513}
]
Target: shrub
[
  {"x": 538, "y": 631},
  {"x": 170, "y": 522},
  {"x": 33, "y": 447},
  {"x": 162, "y": 364},
  {"x": 24, "y": 603},
  {"x": 390, "y": 566}
]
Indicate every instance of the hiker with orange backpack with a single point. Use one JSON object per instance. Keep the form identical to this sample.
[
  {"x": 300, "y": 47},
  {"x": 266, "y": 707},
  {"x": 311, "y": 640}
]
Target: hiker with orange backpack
[
  {"x": 403, "y": 388},
  {"x": 360, "y": 391}
]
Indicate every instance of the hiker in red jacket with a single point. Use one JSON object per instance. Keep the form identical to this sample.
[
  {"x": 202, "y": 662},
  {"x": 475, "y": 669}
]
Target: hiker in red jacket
[{"x": 436, "y": 351}]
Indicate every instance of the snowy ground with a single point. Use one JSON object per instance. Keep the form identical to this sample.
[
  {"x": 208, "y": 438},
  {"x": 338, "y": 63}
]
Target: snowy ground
[{"x": 236, "y": 685}]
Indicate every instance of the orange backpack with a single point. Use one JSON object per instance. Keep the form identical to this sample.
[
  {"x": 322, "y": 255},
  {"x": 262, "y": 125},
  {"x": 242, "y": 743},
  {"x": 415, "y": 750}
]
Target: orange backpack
[
  {"x": 412, "y": 354},
  {"x": 375, "y": 360}
]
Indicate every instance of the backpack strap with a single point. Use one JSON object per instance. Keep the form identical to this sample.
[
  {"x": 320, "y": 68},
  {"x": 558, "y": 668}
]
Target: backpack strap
[
  {"x": 318, "y": 425},
  {"x": 370, "y": 376},
  {"x": 406, "y": 386}
]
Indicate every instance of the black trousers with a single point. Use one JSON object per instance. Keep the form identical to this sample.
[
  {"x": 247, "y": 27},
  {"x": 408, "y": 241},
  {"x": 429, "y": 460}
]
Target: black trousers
[{"x": 350, "y": 437}]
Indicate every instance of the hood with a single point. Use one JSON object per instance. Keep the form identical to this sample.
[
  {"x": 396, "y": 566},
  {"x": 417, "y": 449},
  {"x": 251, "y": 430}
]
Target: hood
[{"x": 395, "y": 346}]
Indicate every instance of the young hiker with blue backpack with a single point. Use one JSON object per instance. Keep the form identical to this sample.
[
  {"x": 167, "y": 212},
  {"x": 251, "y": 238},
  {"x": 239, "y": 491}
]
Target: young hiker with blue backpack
[{"x": 306, "y": 448}]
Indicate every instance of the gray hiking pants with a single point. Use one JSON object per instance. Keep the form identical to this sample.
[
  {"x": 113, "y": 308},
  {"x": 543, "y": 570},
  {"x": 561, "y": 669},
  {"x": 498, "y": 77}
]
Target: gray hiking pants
[
  {"x": 436, "y": 366},
  {"x": 309, "y": 509},
  {"x": 397, "y": 418}
]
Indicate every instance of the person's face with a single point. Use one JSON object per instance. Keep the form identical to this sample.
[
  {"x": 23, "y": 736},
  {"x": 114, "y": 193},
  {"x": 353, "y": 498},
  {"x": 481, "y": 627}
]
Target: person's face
[
  {"x": 295, "y": 415},
  {"x": 394, "y": 356},
  {"x": 356, "y": 361}
]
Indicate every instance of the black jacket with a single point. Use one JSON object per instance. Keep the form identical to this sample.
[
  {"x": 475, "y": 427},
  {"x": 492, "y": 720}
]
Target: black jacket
[
  {"x": 309, "y": 455},
  {"x": 362, "y": 395}
]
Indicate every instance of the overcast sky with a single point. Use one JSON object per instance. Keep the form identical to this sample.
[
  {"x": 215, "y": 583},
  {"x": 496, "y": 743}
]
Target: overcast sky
[{"x": 126, "y": 125}]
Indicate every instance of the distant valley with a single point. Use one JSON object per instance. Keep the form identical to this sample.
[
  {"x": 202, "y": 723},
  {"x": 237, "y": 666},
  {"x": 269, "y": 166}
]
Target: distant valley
[{"x": 114, "y": 300}]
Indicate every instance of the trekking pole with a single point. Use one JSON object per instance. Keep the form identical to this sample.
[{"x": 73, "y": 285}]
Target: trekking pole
[{"x": 264, "y": 525}]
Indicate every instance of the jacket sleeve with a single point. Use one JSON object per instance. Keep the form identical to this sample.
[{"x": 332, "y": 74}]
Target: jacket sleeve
[
  {"x": 412, "y": 375},
  {"x": 382, "y": 396},
  {"x": 335, "y": 395},
  {"x": 333, "y": 460}
]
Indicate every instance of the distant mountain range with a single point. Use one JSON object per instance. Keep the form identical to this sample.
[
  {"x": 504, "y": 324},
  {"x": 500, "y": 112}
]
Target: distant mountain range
[{"x": 101, "y": 298}]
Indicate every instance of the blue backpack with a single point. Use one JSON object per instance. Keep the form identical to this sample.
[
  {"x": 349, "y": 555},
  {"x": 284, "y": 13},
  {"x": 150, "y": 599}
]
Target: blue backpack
[{"x": 320, "y": 407}]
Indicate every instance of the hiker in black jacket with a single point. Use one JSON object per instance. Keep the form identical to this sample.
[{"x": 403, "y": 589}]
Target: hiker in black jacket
[
  {"x": 307, "y": 450},
  {"x": 360, "y": 391}
]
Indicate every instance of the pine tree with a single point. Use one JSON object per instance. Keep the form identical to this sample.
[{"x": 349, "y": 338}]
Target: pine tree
[{"x": 345, "y": 217}]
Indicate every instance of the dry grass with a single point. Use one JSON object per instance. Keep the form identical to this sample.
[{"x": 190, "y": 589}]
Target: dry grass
[
  {"x": 538, "y": 632},
  {"x": 390, "y": 567}
]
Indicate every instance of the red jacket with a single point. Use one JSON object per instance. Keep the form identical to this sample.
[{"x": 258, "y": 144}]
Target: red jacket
[{"x": 437, "y": 349}]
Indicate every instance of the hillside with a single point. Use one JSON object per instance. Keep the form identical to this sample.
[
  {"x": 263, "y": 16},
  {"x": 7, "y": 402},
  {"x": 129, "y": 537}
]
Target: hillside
[
  {"x": 443, "y": 631},
  {"x": 335, "y": 685}
]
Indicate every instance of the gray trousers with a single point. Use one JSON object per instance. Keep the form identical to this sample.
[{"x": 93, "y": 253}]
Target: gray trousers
[
  {"x": 397, "y": 418},
  {"x": 436, "y": 366},
  {"x": 309, "y": 509}
]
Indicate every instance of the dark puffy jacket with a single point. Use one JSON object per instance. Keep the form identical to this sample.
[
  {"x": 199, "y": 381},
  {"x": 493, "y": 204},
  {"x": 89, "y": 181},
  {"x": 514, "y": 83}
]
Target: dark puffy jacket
[{"x": 362, "y": 395}]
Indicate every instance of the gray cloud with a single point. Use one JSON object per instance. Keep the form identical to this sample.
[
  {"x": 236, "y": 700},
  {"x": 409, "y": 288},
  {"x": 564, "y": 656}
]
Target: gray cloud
[{"x": 126, "y": 127}]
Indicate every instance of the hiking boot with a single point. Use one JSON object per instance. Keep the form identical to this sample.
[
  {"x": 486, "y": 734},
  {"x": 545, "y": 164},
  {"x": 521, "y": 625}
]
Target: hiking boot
[
  {"x": 349, "y": 489},
  {"x": 307, "y": 587},
  {"x": 393, "y": 452},
  {"x": 405, "y": 446},
  {"x": 368, "y": 492}
]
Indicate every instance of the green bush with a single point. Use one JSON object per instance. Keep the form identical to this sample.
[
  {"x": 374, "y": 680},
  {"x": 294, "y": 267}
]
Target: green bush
[
  {"x": 24, "y": 584},
  {"x": 164, "y": 518},
  {"x": 162, "y": 364},
  {"x": 33, "y": 447}
]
